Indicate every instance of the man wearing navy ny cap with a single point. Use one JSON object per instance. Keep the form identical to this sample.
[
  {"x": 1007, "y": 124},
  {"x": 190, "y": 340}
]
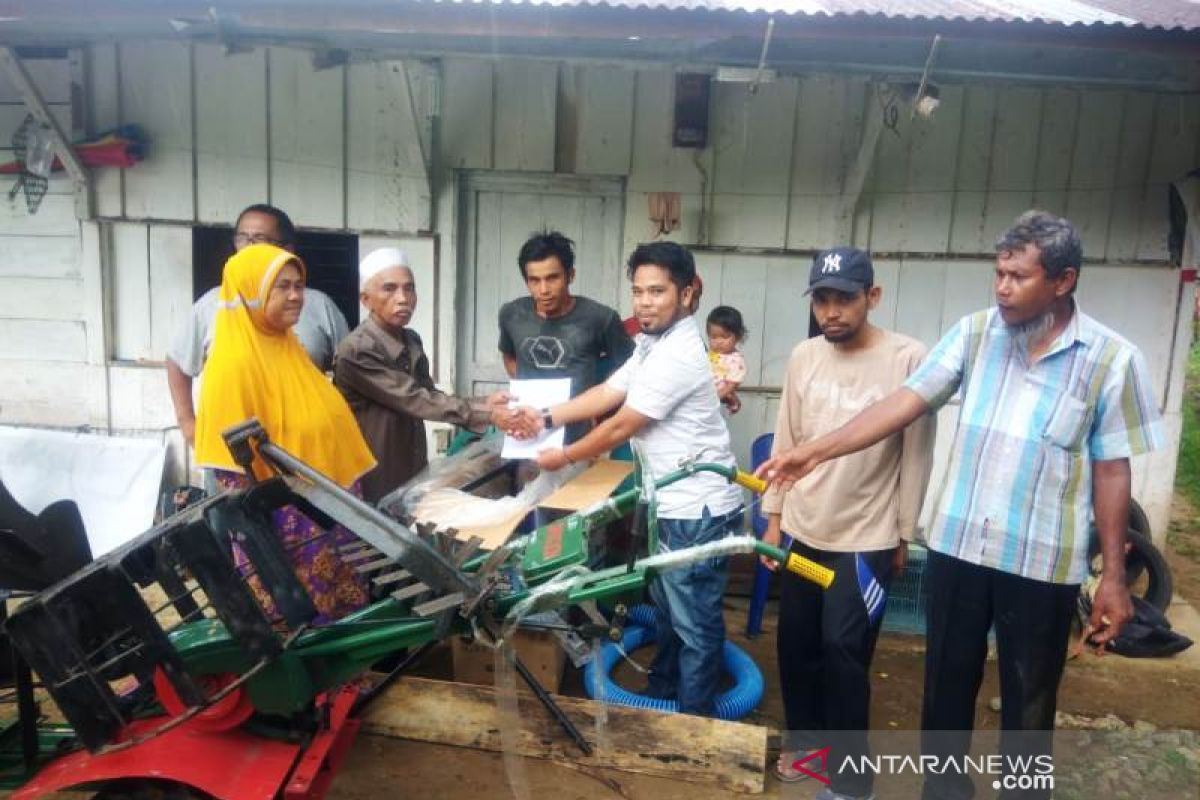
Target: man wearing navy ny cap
[{"x": 855, "y": 516}]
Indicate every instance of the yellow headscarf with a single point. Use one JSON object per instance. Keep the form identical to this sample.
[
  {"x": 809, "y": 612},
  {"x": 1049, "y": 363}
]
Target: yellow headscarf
[{"x": 255, "y": 371}]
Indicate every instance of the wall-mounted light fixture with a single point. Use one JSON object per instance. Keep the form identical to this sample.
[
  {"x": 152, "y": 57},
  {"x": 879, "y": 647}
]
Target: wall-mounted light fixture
[{"x": 923, "y": 99}]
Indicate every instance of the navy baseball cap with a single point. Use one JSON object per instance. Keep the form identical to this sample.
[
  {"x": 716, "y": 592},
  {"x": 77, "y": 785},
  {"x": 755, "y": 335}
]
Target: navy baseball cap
[{"x": 846, "y": 269}]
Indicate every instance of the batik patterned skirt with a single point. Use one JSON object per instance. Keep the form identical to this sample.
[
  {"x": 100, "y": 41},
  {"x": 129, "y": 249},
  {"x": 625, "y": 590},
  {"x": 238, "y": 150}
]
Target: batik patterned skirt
[{"x": 335, "y": 587}]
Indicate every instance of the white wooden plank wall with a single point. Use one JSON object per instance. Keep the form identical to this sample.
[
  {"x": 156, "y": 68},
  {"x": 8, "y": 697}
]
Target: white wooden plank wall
[
  {"x": 156, "y": 93},
  {"x": 752, "y": 141},
  {"x": 467, "y": 114},
  {"x": 1056, "y": 148},
  {"x": 1174, "y": 151},
  {"x": 968, "y": 229},
  {"x": 820, "y": 160},
  {"x": 1090, "y": 191},
  {"x": 915, "y": 180},
  {"x": 170, "y": 294},
  {"x": 1125, "y": 213},
  {"x": 1012, "y": 171},
  {"x": 104, "y": 106},
  {"x": 500, "y": 114},
  {"x": 774, "y": 171},
  {"x": 385, "y": 180},
  {"x": 307, "y": 110},
  {"x": 525, "y": 117},
  {"x": 921, "y": 298},
  {"x": 44, "y": 319},
  {"x": 335, "y": 148},
  {"x": 231, "y": 132},
  {"x": 128, "y": 277},
  {"x": 604, "y": 124},
  {"x": 656, "y": 165},
  {"x": 52, "y": 76},
  {"x": 50, "y": 393}
]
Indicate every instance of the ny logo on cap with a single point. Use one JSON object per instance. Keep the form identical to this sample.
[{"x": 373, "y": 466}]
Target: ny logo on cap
[{"x": 833, "y": 263}]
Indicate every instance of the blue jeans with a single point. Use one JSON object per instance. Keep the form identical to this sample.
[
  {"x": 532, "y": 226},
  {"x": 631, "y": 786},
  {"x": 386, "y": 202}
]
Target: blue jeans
[{"x": 689, "y": 615}]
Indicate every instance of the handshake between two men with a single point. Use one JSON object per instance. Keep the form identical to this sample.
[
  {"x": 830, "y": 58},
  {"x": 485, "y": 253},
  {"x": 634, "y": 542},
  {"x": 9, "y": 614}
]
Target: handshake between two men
[{"x": 519, "y": 422}]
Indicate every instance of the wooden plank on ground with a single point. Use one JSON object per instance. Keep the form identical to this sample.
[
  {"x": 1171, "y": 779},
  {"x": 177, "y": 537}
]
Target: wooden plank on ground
[{"x": 694, "y": 749}]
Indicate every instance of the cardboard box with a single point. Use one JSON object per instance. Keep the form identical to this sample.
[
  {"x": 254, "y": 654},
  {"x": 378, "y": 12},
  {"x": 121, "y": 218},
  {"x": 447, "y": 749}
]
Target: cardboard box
[
  {"x": 538, "y": 650},
  {"x": 595, "y": 483}
]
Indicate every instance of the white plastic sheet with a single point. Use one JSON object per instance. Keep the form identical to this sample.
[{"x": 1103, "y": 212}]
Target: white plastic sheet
[{"x": 115, "y": 481}]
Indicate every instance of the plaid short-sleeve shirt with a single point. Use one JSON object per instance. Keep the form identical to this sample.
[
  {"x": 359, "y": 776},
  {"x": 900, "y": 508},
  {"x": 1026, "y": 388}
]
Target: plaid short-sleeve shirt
[{"x": 1017, "y": 495}]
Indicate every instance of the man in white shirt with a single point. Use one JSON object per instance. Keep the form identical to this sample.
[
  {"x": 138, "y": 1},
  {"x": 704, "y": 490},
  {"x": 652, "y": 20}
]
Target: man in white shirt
[
  {"x": 665, "y": 402},
  {"x": 320, "y": 328}
]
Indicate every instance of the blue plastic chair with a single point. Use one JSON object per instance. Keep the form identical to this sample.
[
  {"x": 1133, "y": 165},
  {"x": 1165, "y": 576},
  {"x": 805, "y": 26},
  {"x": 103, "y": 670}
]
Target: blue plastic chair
[{"x": 760, "y": 451}]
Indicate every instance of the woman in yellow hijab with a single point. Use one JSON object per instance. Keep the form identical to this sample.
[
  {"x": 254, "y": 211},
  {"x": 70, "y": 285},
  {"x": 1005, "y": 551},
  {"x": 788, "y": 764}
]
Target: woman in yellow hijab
[{"x": 258, "y": 368}]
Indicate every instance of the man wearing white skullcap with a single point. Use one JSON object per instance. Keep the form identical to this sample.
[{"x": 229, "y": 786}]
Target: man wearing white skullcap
[{"x": 382, "y": 370}]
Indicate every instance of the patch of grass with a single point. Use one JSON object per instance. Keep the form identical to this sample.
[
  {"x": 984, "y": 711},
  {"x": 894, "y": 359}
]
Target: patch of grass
[{"x": 1187, "y": 474}]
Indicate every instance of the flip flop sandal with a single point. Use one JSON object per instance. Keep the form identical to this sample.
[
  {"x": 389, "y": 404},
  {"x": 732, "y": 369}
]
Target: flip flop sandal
[{"x": 784, "y": 771}]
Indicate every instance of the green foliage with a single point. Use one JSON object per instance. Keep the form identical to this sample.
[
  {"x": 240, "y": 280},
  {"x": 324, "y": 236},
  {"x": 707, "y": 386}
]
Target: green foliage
[{"x": 1187, "y": 475}]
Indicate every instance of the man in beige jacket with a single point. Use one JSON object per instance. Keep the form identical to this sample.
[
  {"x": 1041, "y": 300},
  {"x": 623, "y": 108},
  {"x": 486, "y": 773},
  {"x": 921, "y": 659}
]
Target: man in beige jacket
[{"x": 855, "y": 516}]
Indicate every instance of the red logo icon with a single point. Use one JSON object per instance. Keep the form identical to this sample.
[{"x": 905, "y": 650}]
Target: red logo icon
[{"x": 814, "y": 770}]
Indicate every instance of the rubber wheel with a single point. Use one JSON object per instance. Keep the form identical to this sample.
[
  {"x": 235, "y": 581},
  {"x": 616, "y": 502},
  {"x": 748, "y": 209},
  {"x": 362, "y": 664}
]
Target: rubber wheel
[
  {"x": 1158, "y": 583},
  {"x": 1135, "y": 565},
  {"x": 1138, "y": 520},
  {"x": 1146, "y": 571}
]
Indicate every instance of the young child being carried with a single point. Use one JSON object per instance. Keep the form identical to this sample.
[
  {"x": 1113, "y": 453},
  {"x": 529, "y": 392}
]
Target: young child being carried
[{"x": 726, "y": 330}]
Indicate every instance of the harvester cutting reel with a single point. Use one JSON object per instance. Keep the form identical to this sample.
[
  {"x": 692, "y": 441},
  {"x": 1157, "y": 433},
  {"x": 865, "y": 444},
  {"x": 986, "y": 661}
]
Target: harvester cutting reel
[{"x": 224, "y": 668}]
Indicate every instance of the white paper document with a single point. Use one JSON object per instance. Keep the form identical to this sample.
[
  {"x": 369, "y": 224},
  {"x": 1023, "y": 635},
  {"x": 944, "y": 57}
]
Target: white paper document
[{"x": 538, "y": 393}]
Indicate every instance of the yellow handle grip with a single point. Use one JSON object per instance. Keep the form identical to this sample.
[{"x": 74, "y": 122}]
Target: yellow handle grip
[
  {"x": 810, "y": 570},
  {"x": 747, "y": 479}
]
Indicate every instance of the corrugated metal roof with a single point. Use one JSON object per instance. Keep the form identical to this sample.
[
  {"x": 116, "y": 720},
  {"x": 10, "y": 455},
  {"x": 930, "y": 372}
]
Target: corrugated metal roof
[{"x": 1167, "y": 14}]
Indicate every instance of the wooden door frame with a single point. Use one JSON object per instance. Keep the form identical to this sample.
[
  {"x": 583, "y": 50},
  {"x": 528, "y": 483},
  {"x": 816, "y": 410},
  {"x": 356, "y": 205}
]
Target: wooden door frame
[{"x": 471, "y": 181}]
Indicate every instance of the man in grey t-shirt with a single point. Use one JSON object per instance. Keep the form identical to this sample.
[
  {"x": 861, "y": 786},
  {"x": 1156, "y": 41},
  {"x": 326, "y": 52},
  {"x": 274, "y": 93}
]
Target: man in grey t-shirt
[
  {"x": 320, "y": 328},
  {"x": 554, "y": 334}
]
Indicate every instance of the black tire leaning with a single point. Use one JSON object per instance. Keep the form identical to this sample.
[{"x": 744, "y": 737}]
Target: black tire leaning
[
  {"x": 1160, "y": 587},
  {"x": 1138, "y": 520},
  {"x": 1135, "y": 565},
  {"x": 1141, "y": 557}
]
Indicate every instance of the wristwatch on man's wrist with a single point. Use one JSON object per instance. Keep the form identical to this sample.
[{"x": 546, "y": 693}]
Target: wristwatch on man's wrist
[{"x": 547, "y": 420}]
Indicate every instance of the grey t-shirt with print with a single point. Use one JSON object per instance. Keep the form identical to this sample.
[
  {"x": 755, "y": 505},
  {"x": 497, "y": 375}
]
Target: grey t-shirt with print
[{"x": 586, "y": 345}]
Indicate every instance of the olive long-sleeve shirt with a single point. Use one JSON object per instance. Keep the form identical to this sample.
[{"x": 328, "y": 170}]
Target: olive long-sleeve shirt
[{"x": 385, "y": 378}]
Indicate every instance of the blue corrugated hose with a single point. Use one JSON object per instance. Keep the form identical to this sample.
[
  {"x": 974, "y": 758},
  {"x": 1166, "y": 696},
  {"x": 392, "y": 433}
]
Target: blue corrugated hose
[{"x": 735, "y": 703}]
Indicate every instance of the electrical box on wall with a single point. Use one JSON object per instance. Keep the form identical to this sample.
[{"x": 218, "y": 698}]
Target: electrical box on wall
[{"x": 690, "y": 123}]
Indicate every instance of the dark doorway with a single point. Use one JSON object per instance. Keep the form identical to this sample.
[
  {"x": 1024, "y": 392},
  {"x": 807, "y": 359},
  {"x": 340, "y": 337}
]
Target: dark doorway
[{"x": 331, "y": 258}]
